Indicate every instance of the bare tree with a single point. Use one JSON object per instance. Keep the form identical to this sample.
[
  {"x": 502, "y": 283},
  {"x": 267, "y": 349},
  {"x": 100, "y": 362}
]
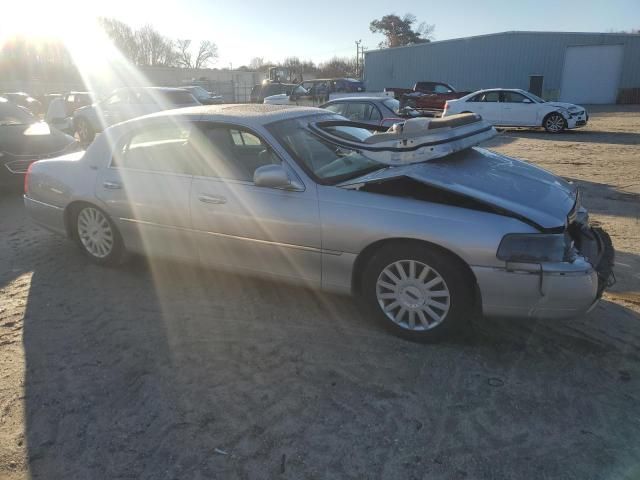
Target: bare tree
[
  {"x": 184, "y": 53},
  {"x": 207, "y": 53},
  {"x": 122, "y": 36},
  {"x": 256, "y": 63},
  {"x": 338, "y": 67}
]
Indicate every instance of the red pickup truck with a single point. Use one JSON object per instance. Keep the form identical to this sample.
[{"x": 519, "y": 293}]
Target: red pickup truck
[{"x": 426, "y": 95}]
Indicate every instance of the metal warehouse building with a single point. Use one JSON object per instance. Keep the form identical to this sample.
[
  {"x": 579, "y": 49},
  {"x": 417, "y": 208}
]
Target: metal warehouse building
[{"x": 573, "y": 67}]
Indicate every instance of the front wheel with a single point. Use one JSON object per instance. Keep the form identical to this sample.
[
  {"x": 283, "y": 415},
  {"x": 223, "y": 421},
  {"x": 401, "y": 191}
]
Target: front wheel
[
  {"x": 554, "y": 123},
  {"x": 420, "y": 293},
  {"x": 97, "y": 236}
]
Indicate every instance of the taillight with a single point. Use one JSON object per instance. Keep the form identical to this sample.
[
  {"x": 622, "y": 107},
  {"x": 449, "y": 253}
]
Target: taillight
[
  {"x": 26, "y": 178},
  {"x": 446, "y": 106}
]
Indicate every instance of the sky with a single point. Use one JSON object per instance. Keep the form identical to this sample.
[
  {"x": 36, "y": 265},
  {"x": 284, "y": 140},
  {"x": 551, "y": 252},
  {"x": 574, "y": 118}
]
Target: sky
[{"x": 319, "y": 30}]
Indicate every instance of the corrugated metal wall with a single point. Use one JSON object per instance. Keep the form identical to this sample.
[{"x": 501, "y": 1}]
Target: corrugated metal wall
[{"x": 498, "y": 60}]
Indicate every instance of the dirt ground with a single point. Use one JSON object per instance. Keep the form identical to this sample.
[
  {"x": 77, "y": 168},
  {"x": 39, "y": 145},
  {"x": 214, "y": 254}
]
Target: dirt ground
[{"x": 164, "y": 371}]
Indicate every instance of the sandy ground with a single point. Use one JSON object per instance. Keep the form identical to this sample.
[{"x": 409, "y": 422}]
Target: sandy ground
[{"x": 166, "y": 371}]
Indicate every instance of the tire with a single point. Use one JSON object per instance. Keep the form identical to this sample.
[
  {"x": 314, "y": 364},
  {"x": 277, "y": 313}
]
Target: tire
[
  {"x": 554, "y": 123},
  {"x": 86, "y": 132},
  {"x": 426, "y": 317},
  {"x": 97, "y": 236}
]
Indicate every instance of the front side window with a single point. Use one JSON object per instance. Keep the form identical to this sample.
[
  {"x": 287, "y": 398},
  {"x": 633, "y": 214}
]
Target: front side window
[
  {"x": 231, "y": 153},
  {"x": 160, "y": 148}
]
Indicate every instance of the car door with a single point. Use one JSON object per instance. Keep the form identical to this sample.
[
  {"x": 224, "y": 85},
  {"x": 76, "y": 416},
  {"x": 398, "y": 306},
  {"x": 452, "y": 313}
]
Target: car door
[
  {"x": 487, "y": 104},
  {"x": 245, "y": 227},
  {"x": 517, "y": 109},
  {"x": 146, "y": 189}
]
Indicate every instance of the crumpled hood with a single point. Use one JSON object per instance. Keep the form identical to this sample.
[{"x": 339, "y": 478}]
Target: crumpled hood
[
  {"x": 515, "y": 186},
  {"x": 567, "y": 106}
]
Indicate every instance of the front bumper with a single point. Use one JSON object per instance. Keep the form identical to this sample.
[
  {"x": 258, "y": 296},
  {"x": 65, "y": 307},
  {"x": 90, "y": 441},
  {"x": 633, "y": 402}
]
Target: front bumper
[
  {"x": 578, "y": 120},
  {"x": 549, "y": 291}
]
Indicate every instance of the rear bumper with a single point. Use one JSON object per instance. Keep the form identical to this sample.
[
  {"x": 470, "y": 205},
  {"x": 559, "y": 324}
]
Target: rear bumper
[
  {"x": 552, "y": 291},
  {"x": 46, "y": 215}
]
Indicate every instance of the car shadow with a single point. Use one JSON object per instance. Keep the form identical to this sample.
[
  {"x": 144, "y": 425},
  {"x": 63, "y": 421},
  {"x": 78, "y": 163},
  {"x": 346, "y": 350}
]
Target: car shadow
[
  {"x": 158, "y": 369},
  {"x": 508, "y": 135}
]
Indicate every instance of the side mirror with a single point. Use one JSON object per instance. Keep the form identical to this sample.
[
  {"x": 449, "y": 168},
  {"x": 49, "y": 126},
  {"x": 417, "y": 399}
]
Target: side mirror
[
  {"x": 527, "y": 100},
  {"x": 273, "y": 176}
]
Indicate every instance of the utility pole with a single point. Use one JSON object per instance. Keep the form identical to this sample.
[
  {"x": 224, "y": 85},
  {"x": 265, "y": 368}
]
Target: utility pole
[{"x": 358, "y": 42}]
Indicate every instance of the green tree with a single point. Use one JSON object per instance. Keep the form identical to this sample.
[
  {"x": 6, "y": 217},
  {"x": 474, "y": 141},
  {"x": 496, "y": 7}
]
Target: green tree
[{"x": 400, "y": 31}]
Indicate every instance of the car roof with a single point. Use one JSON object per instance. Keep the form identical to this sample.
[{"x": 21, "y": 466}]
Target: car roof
[{"x": 253, "y": 113}]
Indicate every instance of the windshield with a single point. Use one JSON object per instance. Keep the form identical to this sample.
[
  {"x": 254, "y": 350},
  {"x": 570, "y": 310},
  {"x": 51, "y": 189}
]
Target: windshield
[
  {"x": 535, "y": 98},
  {"x": 394, "y": 105},
  {"x": 13, "y": 115},
  {"x": 324, "y": 161}
]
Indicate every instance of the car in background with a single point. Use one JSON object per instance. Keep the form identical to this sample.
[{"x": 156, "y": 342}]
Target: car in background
[
  {"x": 513, "y": 107},
  {"x": 23, "y": 140},
  {"x": 426, "y": 95},
  {"x": 24, "y": 100},
  {"x": 427, "y": 229},
  {"x": 268, "y": 89},
  {"x": 203, "y": 96},
  {"x": 125, "y": 104},
  {"x": 312, "y": 93},
  {"x": 382, "y": 111},
  {"x": 61, "y": 108}
]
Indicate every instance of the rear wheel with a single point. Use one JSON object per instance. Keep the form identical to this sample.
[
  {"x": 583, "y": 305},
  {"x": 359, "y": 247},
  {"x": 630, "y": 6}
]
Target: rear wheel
[
  {"x": 97, "y": 236},
  {"x": 420, "y": 293},
  {"x": 86, "y": 133},
  {"x": 554, "y": 123}
]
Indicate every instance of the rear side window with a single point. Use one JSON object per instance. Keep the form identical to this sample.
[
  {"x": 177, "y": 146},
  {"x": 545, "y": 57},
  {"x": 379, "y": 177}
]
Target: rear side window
[
  {"x": 178, "y": 97},
  {"x": 490, "y": 97},
  {"x": 339, "y": 108},
  {"x": 159, "y": 148}
]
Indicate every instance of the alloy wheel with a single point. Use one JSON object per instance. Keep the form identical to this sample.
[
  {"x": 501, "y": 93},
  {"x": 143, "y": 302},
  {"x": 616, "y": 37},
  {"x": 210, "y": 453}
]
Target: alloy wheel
[
  {"x": 95, "y": 232},
  {"x": 413, "y": 295},
  {"x": 555, "y": 123}
]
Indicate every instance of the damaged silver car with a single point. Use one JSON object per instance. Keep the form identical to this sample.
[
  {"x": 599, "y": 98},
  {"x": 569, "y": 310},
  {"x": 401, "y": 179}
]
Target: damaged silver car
[{"x": 428, "y": 228}]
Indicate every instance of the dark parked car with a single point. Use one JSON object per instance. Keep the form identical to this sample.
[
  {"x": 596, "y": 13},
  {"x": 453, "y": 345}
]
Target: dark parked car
[
  {"x": 24, "y": 100},
  {"x": 23, "y": 140},
  {"x": 203, "y": 96},
  {"x": 258, "y": 92}
]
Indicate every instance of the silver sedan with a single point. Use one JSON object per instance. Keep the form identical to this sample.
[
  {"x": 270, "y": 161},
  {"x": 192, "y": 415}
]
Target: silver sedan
[{"x": 429, "y": 236}]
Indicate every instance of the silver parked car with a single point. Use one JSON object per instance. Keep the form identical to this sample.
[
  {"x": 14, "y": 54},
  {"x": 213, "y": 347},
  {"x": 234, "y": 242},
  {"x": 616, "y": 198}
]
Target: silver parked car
[
  {"x": 428, "y": 231},
  {"x": 127, "y": 103}
]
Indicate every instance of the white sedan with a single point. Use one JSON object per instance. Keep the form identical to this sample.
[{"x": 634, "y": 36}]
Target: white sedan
[{"x": 519, "y": 108}]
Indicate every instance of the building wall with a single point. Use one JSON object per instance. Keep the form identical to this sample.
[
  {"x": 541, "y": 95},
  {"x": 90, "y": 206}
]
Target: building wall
[{"x": 497, "y": 60}]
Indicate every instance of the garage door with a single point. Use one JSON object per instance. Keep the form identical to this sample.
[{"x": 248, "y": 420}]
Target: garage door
[{"x": 591, "y": 74}]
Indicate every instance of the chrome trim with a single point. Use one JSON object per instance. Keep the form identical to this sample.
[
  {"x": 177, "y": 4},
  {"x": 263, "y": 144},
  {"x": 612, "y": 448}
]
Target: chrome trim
[
  {"x": 234, "y": 237},
  {"x": 42, "y": 203}
]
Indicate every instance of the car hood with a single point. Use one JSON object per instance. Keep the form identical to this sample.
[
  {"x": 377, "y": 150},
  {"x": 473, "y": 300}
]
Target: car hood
[
  {"x": 35, "y": 139},
  {"x": 519, "y": 188},
  {"x": 566, "y": 106}
]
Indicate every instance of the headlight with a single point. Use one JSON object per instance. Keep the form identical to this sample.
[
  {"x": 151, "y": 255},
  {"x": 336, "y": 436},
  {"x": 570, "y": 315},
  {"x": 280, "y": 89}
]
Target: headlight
[{"x": 533, "y": 248}]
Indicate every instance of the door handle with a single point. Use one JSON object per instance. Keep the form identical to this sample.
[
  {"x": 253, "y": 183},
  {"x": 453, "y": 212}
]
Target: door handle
[
  {"x": 112, "y": 185},
  {"x": 215, "y": 199}
]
